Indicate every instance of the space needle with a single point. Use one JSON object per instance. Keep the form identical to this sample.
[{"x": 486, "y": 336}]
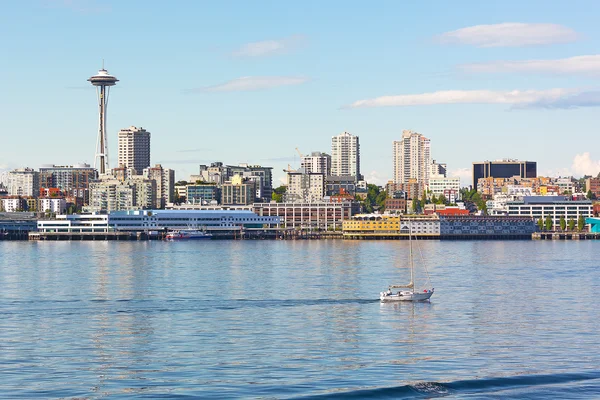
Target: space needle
[{"x": 103, "y": 81}]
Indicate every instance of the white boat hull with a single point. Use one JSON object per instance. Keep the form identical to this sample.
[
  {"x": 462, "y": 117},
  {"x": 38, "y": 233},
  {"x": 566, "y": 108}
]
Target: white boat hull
[{"x": 405, "y": 296}]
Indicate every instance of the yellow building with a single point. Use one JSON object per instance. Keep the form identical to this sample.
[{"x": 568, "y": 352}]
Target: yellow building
[{"x": 390, "y": 226}]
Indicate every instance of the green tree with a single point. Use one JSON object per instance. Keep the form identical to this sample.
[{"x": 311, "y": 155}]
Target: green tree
[
  {"x": 580, "y": 223},
  {"x": 540, "y": 224},
  {"x": 278, "y": 193},
  {"x": 416, "y": 206},
  {"x": 590, "y": 195},
  {"x": 374, "y": 200},
  {"x": 571, "y": 224},
  {"x": 563, "y": 223},
  {"x": 549, "y": 223}
]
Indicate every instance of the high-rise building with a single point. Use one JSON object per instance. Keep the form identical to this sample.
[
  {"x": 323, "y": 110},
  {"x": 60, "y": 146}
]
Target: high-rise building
[
  {"x": 345, "y": 156},
  {"x": 305, "y": 187},
  {"x": 24, "y": 182},
  {"x": 165, "y": 184},
  {"x": 506, "y": 168},
  {"x": 72, "y": 180},
  {"x": 103, "y": 81},
  {"x": 412, "y": 158},
  {"x": 317, "y": 163},
  {"x": 134, "y": 148}
]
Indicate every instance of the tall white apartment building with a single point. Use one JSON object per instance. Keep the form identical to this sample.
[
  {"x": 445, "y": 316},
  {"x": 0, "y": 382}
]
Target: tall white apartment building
[
  {"x": 24, "y": 182},
  {"x": 317, "y": 162},
  {"x": 134, "y": 148},
  {"x": 412, "y": 158},
  {"x": 345, "y": 155}
]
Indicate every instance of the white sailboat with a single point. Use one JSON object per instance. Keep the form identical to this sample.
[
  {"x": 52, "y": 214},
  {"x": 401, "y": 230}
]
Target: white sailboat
[{"x": 408, "y": 293}]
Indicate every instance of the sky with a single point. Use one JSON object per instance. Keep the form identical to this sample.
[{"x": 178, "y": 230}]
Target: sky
[{"x": 249, "y": 82}]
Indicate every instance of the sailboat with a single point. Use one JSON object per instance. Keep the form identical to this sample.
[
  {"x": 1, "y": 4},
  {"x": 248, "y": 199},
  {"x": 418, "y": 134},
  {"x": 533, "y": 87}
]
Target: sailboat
[{"x": 408, "y": 293}]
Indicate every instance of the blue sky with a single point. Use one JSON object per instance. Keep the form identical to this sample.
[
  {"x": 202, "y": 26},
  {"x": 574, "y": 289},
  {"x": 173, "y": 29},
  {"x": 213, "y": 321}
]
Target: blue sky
[{"x": 238, "y": 81}]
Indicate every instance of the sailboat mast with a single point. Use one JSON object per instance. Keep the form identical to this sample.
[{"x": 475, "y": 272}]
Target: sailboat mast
[{"x": 412, "y": 265}]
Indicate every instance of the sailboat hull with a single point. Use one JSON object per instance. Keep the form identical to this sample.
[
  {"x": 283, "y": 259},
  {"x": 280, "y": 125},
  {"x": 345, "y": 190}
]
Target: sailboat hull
[{"x": 405, "y": 296}]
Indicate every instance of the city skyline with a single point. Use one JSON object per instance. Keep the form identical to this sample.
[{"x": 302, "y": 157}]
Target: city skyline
[{"x": 519, "y": 84}]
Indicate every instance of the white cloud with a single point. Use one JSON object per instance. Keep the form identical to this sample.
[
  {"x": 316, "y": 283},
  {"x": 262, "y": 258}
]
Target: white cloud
[
  {"x": 269, "y": 47},
  {"x": 584, "y": 165},
  {"x": 514, "y": 97},
  {"x": 585, "y": 65},
  {"x": 375, "y": 178},
  {"x": 246, "y": 83},
  {"x": 509, "y": 34},
  {"x": 465, "y": 175}
]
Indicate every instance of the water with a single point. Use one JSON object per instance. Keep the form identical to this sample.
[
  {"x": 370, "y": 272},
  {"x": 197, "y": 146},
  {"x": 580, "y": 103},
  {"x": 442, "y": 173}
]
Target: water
[{"x": 297, "y": 319}]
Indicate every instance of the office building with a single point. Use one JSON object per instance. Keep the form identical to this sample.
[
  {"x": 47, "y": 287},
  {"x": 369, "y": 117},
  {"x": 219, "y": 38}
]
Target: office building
[
  {"x": 238, "y": 191},
  {"x": 593, "y": 185},
  {"x": 24, "y": 182},
  {"x": 442, "y": 186},
  {"x": 554, "y": 207},
  {"x": 345, "y": 156},
  {"x": 201, "y": 193},
  {"x": 506, "y": 168},
  {"x": 111, "y": 194},
  {"x": 261, "y": 176},
  {"x": 412, "y": 158},
  {"x": 70, "y": 180},
  {"x": 134, "y": 148}
]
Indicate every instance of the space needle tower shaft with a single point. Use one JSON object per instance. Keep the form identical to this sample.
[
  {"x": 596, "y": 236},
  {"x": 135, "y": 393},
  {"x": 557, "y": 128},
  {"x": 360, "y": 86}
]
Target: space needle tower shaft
[{"x": 103, "y": 81}]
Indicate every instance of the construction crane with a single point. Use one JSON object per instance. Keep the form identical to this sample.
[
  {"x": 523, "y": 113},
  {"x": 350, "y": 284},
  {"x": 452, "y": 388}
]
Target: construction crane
[
  {"x": 289, "y": 169},
  {"x": 300, "y": 154}
]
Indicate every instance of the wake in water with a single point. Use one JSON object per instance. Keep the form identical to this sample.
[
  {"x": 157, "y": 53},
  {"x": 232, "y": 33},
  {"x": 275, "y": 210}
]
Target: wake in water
[{"x": 585, "y": 384}]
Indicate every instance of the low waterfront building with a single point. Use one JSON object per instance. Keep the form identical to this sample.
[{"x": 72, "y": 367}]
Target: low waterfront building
[
  {"x": 555, "y": 207},
  {"x": 16, "y": 225},
  {"x": 75, "y": 223},
  {"x": 312, "y": 216},
  {"x": 158, "y": 220},
  {"x": 496, "y": 227},
  {"x": 390, "y": 225}
]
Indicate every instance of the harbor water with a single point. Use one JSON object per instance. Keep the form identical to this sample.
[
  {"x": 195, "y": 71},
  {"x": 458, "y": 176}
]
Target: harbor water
[{"x": 298, "y": 319}]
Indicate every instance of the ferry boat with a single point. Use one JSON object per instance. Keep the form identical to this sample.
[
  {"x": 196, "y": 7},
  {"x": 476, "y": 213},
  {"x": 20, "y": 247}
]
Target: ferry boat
[{"x": 188, "y": 234}]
